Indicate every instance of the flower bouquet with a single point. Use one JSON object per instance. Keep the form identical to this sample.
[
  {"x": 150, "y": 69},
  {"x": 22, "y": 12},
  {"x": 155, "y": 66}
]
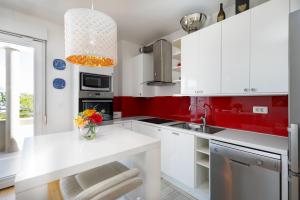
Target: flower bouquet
[{"x": 87, "y": 122}]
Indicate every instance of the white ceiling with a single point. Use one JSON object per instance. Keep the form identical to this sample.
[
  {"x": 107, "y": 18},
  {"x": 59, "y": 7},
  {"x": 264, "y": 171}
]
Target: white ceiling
[{"x": 140, "y": 21}]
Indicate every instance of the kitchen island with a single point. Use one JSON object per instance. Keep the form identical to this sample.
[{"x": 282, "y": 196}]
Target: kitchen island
[{"x": 48, "y": 158}]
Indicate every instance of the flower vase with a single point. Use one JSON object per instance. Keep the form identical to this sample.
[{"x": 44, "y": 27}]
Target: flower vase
[{"x": 89, "y": 132}]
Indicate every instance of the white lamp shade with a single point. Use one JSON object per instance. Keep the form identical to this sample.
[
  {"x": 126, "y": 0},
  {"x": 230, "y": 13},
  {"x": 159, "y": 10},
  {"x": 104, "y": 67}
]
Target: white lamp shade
[{"x": 90, "y": 38}]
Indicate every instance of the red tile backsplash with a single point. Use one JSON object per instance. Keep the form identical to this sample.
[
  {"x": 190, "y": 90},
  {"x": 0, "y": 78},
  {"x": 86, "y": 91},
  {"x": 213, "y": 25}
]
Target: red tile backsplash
[{"x": 229, "y": 112}]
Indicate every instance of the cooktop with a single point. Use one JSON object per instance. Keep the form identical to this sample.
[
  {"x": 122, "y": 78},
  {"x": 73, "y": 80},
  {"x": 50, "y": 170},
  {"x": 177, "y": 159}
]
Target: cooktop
[{"x": 156, "y": 120}]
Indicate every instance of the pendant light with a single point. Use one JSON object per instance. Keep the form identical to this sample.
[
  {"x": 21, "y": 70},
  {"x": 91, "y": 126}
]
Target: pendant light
[{"x": 90, "y": 38}]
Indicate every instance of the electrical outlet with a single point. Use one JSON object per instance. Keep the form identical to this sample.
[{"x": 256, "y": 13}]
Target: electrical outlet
[{"x": 260, "y": 109}]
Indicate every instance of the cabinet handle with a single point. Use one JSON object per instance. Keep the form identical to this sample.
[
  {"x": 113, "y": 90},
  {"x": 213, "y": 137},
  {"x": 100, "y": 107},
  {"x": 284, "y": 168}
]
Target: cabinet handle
[
  {"x": 174, "y": 133},
  {"x": 246, "y": 90},
  {"x": 253, "y": 90},
  {"x": 158, "y": 129},
  {"x": 198, "y": 91}
]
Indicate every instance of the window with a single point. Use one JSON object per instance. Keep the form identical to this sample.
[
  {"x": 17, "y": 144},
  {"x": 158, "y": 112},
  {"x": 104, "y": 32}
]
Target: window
[{"x": 22, "y": 84}]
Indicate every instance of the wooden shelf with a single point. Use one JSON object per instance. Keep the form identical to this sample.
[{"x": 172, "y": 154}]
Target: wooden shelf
[{"x": 204, "y": 162}]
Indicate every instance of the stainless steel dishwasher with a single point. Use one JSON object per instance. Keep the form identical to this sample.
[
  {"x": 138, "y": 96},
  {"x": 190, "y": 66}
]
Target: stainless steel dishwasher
[{"x": 240, "y": 173}]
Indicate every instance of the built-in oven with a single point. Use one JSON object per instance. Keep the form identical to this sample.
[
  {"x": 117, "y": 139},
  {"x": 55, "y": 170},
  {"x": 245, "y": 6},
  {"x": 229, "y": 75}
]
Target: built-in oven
[
  {"x": 101, "y": 101},
  {"x": 95, "y": 82}
]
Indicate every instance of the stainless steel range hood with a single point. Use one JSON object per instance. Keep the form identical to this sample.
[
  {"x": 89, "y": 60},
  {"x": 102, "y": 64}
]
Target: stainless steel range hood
[{"x": 162, "y": 57}]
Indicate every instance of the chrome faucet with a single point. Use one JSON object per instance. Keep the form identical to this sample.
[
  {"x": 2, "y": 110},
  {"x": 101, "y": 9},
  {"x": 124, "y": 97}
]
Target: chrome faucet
[{"x": 203, "y": 118}]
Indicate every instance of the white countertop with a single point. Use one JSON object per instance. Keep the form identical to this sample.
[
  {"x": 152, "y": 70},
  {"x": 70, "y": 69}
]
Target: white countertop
[
  {"x": 47, "y": 158},
  {"x": 265, "y": 142},
  {"x": 260, "y": 141}
]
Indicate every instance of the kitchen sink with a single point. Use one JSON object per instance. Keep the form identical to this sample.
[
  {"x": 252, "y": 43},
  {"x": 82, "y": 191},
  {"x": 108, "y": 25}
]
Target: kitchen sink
[{"x": 197, "y": 127}]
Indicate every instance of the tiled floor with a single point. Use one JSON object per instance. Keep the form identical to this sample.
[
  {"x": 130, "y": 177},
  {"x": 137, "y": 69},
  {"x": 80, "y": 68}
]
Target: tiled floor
[{"x": 170, "y": 192}]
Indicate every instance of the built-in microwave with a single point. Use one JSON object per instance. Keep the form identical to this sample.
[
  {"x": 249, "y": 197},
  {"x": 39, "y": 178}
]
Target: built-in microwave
[{"x": 95, "y": 82}]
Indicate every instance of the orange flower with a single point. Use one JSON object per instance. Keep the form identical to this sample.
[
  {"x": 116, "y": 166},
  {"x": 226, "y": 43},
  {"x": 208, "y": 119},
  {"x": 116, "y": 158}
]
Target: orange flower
[
  {"x": 80, "y": 122},
  {"x": 89, "y": 112}
]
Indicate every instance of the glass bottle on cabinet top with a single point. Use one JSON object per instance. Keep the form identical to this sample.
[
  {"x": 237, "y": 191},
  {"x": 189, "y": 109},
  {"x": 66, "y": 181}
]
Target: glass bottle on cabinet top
[{"x": 221, "y": 14}]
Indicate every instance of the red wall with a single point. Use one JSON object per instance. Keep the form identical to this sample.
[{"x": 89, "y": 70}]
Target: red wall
[{"x": 229, "y": 112}]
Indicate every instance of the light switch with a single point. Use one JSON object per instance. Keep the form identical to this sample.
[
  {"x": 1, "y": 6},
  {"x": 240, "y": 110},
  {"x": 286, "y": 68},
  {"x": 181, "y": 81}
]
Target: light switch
[{"x": 260, "y": 109}]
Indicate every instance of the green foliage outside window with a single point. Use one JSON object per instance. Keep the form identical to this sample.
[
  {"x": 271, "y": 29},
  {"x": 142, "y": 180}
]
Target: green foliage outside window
[{"x": 26, "y": 105}]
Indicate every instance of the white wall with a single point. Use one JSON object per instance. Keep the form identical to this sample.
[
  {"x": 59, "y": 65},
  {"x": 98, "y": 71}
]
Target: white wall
[
  {"x": 59, "y": 102},
  {"x": 295, "y": 5}
]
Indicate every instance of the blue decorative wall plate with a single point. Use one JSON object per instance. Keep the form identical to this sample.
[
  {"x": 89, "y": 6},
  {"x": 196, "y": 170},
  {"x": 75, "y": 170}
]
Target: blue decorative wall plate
[
  {"x": 59, "y": 83},
  {"x": 59, "y": 64}
]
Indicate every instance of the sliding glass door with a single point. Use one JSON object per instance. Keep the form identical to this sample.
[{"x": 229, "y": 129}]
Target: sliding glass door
[{"x": 22, "y": 88}]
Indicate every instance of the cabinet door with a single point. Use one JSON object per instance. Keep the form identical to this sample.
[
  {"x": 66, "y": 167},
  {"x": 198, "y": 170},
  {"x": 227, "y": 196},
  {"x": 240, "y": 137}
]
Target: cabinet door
[
  {"x": 185, "y": 161},
  {"x": 168, "y": 153},
  {"x": 269, "y": 47},
  {"x": 236, "y": 54},
  {"x": 137, "y": 75},
  {"x": 190, "y": 61},
  {"x": 209, "y": 68},
  {"x": 142, "y": 73}
]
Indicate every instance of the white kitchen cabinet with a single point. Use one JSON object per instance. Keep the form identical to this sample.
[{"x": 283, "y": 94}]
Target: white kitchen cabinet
[
  {"x": 210, "y": 60},
  {"x": 168, "y": 153},
  {"x": 190, "y": 61},
  {"x": 201, "y": 62},
  {"x": 269, "y": 47},
  {"x": 185, "y": 160},
  {"x": 246, "y": 54},
  {"x": 236, "y": 54},
  {"x": 177, "y": 152},
  {"x": 178, "y": 156},
  {"x": 142, "y": 69}
]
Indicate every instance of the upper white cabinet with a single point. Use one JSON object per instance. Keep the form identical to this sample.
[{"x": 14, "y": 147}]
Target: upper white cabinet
[
  {"x": 246, "y": 54},
  {"x": 269, "y": 47},
  {"x": 236, "y": 54},
  {"x": 201, "y": 61},
  {"x": 142, "y": 69},
  {"x": 210, "y": 60},
  {"x": 190, "y": 61}
]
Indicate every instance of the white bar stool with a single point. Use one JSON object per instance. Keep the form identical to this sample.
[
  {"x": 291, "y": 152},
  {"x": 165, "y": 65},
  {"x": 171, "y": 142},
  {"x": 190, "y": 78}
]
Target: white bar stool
[{"x": 107, "y": 182}]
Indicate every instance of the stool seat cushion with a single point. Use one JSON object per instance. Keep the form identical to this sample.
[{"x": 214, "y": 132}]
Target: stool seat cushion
[
  {"x": 91, "y": 177},
  {"x": 106, "y": 182},
  {"x": 69, "y": 187}
]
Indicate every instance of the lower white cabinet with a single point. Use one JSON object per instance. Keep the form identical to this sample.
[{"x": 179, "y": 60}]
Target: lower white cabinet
[
  {"x": 178, "y": 156},
  {"x": 177, "y": 152}
]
